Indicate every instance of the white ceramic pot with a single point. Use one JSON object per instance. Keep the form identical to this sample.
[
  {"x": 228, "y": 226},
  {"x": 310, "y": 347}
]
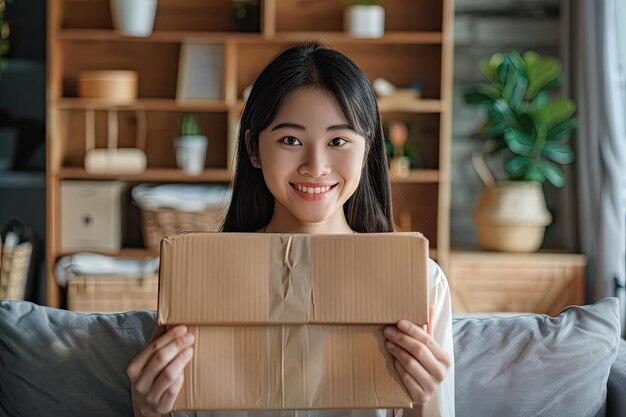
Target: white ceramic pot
[
  {"x": 191, "y": 153},
  {"x": 365, "y": 21},
  {"x": 511, "y": 216},
  {"x": 133, "y": 17}
]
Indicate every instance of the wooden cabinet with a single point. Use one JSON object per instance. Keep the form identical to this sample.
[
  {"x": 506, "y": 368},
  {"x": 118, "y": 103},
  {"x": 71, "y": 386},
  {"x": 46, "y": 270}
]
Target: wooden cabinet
[
  {"x": 417, "y": 46},
  {"x": 508, "y": 282}
]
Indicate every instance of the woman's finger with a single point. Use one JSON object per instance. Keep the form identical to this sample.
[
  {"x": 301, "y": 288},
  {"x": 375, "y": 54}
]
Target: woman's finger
[
  {"x": 160, "y": 360},
  {"x": 166, "y": 404},
  {"x": 413, "y": 367},
  {"x": 169, "y": 375},
  {"x": 420, "y": 351},
  {"x": 416, "y": 332},
  {"x": 156, "y": 343},
  {"x": 417, "y": 393}
]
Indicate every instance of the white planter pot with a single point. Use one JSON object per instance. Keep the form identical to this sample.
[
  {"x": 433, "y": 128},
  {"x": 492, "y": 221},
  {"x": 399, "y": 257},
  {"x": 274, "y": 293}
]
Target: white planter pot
[
  {"x": 191, "y": 153},
  {"x": 133, "y": 17},
  {"x": 365, "y": 21},
  {"x": 512, "y": 216}
]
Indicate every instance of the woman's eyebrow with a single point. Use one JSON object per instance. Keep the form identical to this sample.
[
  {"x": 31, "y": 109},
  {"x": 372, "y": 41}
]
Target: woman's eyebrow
[
  {"x": 344, "y": 126},
  {"x": 332, "y": 128},
  {"x": 288, "y": 126}
]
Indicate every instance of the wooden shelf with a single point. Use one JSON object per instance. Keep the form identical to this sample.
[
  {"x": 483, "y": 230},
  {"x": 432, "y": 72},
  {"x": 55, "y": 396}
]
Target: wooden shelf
[
  {"x": 150, "y": 175},
  {"x": 417, "y": 46},
  {"x": 343, "y": 38},
  {"x": 389, "y": 105},
  {"x": 197, "y": 36},
  {"x": 110, "y": 35},
  {"x": 419, "y": 175},
  {"x": 412, "y": 106},
  {"x": 154, "y": 104}
]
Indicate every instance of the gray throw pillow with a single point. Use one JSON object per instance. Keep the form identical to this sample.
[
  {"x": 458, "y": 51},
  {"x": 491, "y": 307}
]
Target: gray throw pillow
[
  {"x": 535, "y": 365},
  {"x": 60, "y": 363}
]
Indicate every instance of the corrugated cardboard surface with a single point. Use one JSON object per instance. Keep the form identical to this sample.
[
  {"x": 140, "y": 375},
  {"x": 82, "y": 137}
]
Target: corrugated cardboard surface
[{"x": 292, "y": 321}]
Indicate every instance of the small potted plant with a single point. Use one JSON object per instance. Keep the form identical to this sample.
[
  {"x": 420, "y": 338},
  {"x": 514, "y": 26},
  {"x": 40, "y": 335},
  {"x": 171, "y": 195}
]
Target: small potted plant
[
  {"x": 191, "y": 145},
  {"x": 133, "y": 17},
  {"x": 4, "y": 35},
  {"x": 530, "y": 130},
  {"x": 364, "y": 18}
]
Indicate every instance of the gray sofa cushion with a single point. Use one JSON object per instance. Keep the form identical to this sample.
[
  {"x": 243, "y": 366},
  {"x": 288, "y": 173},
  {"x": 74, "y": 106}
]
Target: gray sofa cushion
[
  {"x": 58, "y": 363},
  {"x": 535, "y": 365}
]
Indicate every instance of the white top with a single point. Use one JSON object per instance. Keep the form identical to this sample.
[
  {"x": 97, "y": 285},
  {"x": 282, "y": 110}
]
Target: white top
[{"x": 439, "y": 296}]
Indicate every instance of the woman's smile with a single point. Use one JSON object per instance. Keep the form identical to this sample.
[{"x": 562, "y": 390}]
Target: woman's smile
[{"x": 313, "y": 192}]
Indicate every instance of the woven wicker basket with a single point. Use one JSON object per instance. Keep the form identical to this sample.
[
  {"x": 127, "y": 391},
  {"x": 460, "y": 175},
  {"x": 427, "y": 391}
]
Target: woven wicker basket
[
  {"x": 166, "y": 222},
  {"x": 90, "y": 293},
  {"x": 14, "y": 272}
]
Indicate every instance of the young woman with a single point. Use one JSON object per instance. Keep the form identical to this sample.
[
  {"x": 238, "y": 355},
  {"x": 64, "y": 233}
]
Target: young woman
[{"x": 311, "y": 159}]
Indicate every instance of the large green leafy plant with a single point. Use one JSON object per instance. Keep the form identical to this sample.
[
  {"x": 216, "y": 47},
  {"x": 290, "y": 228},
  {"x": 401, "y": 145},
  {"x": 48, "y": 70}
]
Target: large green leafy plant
[{"x": 522, "y": 119}]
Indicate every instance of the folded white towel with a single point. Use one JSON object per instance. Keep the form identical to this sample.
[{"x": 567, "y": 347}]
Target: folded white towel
[
  {"x": 183, "y": 197},
  {"x": 93, "y": 264}
]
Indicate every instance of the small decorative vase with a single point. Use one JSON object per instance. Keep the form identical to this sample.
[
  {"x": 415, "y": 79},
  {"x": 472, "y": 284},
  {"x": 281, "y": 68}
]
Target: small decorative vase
[
  {"x": 134, "y": 17},
  {"x": 365, "y": 21},
  {"x": 191, "y": 153},
  {"x": 512, "y": 216}
]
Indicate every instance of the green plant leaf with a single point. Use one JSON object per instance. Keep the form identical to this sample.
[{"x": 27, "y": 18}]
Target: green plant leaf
[
  {"x": 482, "y": 93},
  {"x": 489, "y": 67},
  {"x": 552, "y": 173},
  {"x": 516, "y": 166},
  {"x": 533, "y": 173},
  {"x": 558, "y": 153},
  {"x": 541, "y": 71},
  {"x": 561, "y": 131},
  {"x": 541, "y": 100},
  {"x": 518, "y": 93},
  {"x": 518, "y": 142},
  {"x": 557, "y": 111},
  {"x": 517, "y": 60},
  {"x": 501, "y": 106},
  {"x": 494, "y": 128}
]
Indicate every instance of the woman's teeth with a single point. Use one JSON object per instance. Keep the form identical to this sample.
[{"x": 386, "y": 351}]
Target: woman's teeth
[{"x": 312, "y": 190}]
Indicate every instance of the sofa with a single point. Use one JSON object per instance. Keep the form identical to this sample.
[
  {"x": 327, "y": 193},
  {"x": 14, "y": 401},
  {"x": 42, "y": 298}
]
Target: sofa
[{"x": 60, "y": 363}]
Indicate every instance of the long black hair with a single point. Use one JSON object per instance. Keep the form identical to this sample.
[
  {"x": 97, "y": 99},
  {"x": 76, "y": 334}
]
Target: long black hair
[{"x": 315, "y": 66}]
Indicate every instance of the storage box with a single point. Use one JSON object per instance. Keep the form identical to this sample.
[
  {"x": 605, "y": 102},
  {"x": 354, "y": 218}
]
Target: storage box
[
  {"x": 112, "y": 293},
  {"x": 91, "y": 215},
  {"x": 113, "y": 85},
  {"x": 292, "y": 321}
]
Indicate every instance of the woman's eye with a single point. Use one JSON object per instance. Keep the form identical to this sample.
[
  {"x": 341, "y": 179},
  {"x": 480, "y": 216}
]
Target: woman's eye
[
  {"x": 338, "y": 141},
  {"x": 290, "y": 140}
]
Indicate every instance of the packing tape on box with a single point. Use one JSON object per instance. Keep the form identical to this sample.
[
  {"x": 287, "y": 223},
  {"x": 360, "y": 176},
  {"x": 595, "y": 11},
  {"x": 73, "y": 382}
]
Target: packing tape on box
[{"x": 290, "y": 280}]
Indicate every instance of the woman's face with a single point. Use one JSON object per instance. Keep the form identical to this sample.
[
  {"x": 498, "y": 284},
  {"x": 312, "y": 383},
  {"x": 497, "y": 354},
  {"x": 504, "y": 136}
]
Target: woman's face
[{"x": 310, "y": 157}]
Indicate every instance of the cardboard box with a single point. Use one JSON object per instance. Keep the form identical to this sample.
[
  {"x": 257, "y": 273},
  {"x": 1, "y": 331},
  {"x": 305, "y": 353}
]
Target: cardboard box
[
  {"x": 292, "y": 321},
  {"x": 91, "y": 215}
]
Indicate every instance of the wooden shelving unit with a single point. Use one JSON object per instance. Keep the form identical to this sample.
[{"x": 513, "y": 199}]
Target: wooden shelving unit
[{"x": 417, "y": 46}]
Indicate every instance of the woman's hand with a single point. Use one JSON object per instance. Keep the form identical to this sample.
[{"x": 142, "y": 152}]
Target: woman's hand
[
  {"x": 418, "y": 358},
  {"x": 156, "y": 374}
]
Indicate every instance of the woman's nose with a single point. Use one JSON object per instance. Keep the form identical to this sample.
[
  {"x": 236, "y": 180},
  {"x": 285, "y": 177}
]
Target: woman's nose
[{"x": 315, "y": 164}]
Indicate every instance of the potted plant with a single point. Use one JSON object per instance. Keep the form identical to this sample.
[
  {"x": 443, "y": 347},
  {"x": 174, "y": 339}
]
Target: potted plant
[
  {"x": 364, "y": 18},
  {"x": 133, "y": 17},
  {"x": 4, "y": 35},
  {"x": 191, "y": 145},
  {"x": 530, "y": 130}
]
